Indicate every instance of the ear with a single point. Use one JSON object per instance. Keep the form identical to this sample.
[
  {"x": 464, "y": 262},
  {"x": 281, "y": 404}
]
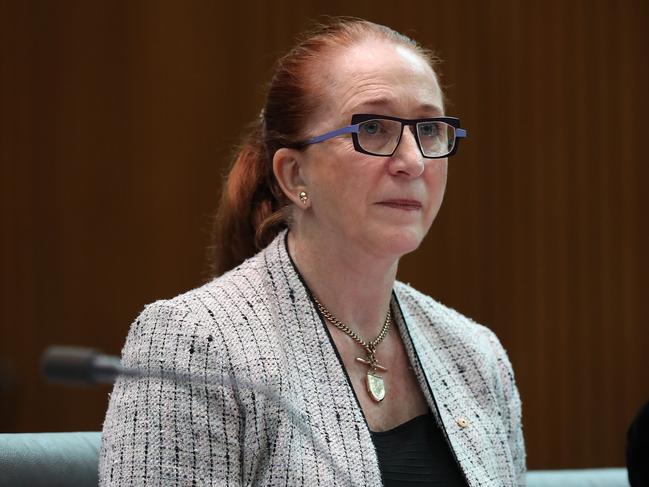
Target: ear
[{"x": 288, "y": 169}]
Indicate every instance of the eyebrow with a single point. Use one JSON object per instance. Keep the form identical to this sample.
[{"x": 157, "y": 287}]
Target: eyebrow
[{"x": 382, "y": 101}]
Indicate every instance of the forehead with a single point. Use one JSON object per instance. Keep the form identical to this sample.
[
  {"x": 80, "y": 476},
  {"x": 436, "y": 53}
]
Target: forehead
[{"x": 380, "y": 77}]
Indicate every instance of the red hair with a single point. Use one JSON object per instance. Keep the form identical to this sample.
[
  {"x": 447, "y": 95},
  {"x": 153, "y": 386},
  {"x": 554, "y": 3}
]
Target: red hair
[{"x": 253, "y": 209}]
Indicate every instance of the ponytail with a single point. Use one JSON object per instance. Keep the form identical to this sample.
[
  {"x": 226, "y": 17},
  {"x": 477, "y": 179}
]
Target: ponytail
[{"x": 252, "y": 210}]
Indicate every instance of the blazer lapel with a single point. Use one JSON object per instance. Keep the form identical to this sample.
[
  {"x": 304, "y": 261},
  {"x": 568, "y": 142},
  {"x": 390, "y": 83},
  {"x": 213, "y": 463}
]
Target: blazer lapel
[{"x": 437, "y": 363}]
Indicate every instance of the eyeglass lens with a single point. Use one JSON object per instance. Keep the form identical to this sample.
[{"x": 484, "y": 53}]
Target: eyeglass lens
[{"x": 381, "y": 137}]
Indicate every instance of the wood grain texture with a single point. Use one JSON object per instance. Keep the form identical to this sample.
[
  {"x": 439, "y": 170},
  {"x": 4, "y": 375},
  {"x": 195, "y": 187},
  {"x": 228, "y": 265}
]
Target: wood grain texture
[{"x": 117, "y": 121}]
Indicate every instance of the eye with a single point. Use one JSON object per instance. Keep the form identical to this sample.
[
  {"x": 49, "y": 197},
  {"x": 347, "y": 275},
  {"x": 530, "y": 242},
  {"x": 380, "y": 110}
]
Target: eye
[
  {"x": 371, "y": 127},
  {"x": 429, "y": 129}
]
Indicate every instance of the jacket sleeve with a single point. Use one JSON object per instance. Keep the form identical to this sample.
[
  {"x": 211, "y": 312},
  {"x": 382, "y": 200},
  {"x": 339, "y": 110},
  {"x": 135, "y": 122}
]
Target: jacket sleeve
[
  {"x": 163, "y": 429},
  {"x": 510, "y": 407}
]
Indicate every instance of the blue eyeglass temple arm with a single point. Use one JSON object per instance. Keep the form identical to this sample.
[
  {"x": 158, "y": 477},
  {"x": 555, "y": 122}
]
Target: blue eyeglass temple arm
[
  {"x": 335, "y": 133},
  {"x": 350, "y": 129}
]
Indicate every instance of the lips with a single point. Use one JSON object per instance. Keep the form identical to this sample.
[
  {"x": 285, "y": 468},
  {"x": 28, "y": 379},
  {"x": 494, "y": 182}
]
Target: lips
[{"x": 401, "y": 204}]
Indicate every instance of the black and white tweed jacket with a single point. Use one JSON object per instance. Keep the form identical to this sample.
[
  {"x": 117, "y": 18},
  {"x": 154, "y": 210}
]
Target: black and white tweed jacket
[{"x": 269, "y": 402}]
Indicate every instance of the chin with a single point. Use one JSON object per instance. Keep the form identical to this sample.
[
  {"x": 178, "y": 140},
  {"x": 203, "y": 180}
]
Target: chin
[{"x": 398, "y": 242}]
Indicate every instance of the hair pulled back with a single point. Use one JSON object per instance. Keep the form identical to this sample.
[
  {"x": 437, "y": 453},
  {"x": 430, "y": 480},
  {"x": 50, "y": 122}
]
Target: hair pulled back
[{"x": 253, "y": 208}]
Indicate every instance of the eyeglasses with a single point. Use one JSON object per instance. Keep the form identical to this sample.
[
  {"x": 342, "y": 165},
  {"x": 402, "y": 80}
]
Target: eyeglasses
[{"x": 379, "y": 135}]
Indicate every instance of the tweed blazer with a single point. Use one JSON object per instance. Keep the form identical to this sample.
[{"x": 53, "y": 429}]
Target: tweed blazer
[{"x": 268, "y": 401}]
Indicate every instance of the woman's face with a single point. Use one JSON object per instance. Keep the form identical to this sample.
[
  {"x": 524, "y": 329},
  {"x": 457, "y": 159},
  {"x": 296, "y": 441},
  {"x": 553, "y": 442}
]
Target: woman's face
[{"x": 383, "y": 206}]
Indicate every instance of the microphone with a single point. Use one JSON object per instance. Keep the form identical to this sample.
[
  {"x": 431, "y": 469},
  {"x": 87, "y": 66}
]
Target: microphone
[
  {"x": 89, "y": 367},
  {"x": 80, "y": 366}
]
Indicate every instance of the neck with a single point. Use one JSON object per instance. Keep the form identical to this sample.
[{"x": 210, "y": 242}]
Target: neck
[{"x": 354, "y": 287}]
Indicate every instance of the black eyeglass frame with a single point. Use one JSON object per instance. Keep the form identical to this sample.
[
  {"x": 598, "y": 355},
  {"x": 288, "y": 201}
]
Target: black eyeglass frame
[{"x": 358, "y": 119}]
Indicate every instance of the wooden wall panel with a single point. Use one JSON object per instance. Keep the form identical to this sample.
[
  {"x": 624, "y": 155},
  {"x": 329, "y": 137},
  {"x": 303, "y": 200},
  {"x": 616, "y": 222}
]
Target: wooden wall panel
[{"x": 117, "y": 120}]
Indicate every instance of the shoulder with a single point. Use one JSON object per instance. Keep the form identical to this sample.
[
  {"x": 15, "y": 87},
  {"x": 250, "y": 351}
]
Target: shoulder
[
  {"x": 458, "y": 339},
  {"x": 215, "y": 316},
  {"x": 455, "y": 337},
  {"x": 442, "y": 319}
]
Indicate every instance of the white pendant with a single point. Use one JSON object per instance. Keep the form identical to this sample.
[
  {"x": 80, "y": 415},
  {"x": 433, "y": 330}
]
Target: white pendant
[{"x": 375, "y": 386}]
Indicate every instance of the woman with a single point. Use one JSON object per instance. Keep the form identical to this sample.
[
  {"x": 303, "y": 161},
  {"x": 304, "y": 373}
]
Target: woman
[{"x": 311, "y": 365}]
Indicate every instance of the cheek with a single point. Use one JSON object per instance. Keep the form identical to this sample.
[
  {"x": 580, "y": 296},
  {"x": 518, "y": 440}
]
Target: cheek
[
  {"x": 345, "y": 179},
  {"x": 436, "y": 177},
  {"x": 334, "y": 194}
]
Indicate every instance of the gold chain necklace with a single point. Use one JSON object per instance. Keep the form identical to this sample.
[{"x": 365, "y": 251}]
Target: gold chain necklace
[{"x": 375, "y": 384}]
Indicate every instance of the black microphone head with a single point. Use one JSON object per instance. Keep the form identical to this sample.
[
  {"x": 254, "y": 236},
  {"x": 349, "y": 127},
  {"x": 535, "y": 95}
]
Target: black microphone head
[{"x": 71, "y": 365}]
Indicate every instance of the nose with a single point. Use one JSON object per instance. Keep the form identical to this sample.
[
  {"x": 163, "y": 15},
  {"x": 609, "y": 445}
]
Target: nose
[{"x": 407, "y": 161}]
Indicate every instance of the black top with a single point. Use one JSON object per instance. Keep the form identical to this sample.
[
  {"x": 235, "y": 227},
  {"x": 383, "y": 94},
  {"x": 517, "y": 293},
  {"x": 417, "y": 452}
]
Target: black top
[{"x": 415, "y": 453}]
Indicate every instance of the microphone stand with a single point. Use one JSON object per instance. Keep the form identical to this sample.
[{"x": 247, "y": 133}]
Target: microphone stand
[{"x": 88, "y": 366}]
